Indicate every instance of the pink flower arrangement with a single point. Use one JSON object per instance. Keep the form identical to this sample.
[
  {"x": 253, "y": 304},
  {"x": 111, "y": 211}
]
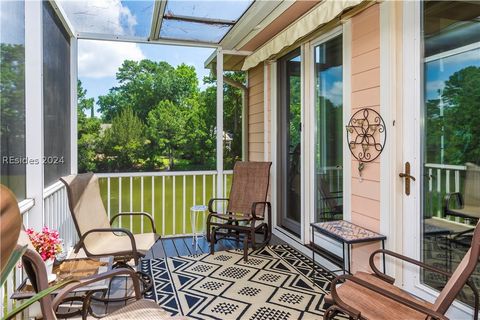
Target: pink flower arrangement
[{"x": 47, "y": 242}]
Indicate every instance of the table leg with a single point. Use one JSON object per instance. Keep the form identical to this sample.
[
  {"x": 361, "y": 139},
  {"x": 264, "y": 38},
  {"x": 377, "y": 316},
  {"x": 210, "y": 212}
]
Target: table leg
[
  {"x": 313, "y": 258},
  {"x": 193, "y": 221},
  {"x": 384, "y": 263},
  {"x": 343, "y": 255},
  {"x": 348, "y": 257}
]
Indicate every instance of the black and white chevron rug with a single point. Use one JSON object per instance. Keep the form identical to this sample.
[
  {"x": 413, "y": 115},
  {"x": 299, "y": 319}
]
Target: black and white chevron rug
[{"x": 275, "y": 283}]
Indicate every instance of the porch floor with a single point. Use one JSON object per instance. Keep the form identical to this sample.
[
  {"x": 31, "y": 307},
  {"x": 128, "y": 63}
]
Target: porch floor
[{"x": 165, "y": 247}]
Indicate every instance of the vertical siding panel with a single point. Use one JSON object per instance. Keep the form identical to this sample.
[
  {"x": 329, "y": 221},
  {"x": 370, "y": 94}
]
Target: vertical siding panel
[{"x": 365, "y": 92}]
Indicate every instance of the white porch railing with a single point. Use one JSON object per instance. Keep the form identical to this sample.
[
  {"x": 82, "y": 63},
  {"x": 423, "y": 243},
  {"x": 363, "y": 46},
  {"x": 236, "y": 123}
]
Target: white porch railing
[
  {"x": 441, "y": 179},
  {"x": 167, "y": 196},
  {"x": 56, "y": 214}
]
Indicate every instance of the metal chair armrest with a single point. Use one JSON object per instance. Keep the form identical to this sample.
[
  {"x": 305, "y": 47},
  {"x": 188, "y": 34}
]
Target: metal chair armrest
[
  {"x": 448, "y": 199},
  {"x": 138, "y": 213},
  {"x": 390, "y": 295},
  {"x": 95, "y": 278},
  {"x": 254, "y": 208},
  {"x": 387, "y": 278},
  {"x": 110, "y": 230},
  {"x": 401, "y": 257},
  {"x": 210, "y": 203}
]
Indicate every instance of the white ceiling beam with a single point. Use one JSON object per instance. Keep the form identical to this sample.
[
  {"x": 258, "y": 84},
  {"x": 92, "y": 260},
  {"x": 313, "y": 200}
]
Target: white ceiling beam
[
  {"x": 157, "y": 19},
  {"x": 213, "y": 56},
  {"x": 173, "y": 42},
  {"x": 257, "y": 17},
  {"x": 61, "y": 14}
]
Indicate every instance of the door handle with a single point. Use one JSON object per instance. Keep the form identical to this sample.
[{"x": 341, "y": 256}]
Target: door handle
[{"x": 407, "y": 177}]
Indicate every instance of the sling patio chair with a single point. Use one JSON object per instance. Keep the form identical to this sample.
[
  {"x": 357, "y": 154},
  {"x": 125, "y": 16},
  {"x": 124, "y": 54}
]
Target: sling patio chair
[
  {"x": 97, "y": 236},
  {"x": 468, "y": 203},
  {"x": 14, "y": 240},
  {"x": 245, "y": 212},
  {"x": 374, "y": 296},
  {"x": 331, "y": 207}
]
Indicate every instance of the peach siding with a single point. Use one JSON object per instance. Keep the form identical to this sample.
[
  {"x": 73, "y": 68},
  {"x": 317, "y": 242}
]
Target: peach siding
[
  {"x": 365, "y": 66},
  {"x": 256, "y": 114}
]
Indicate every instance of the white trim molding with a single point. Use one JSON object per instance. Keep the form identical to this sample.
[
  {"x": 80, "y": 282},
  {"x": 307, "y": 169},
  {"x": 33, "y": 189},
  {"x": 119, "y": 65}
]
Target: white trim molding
[
  {"x": 388, "y": 86},
  {"x": 34, "y": 109},
  {"x": 73, "y": 105},
  {"x": 347, "y": 110}
]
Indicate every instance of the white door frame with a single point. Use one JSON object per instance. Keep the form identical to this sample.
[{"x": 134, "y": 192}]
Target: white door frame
[
  {"x": 327, "y": 243},
  {"x": 412, "y": 151}
]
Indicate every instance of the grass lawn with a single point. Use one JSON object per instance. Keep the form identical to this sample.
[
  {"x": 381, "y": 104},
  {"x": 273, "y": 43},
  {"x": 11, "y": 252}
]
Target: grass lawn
[{"x": 172, "y": 213}]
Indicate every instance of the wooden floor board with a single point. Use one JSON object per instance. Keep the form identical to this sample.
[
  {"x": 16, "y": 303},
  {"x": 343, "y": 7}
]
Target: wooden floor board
[
  {"x": 181, "y": 246},
  {"x": 169, "y": 247}
]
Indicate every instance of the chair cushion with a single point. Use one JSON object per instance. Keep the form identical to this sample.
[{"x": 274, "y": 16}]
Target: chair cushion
[
  {"x": 373, "y": 305},
  {"x": 141, "y": 310},
  {"x": 109, "y": 243}
]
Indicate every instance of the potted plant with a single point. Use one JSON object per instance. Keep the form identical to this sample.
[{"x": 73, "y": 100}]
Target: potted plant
[{"x": 48, "y": 244}]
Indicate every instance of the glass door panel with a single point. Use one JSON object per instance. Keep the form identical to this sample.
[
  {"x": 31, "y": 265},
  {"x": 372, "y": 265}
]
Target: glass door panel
[
  {"x": 328, "y": 130},
  {"x": 290, "y": 149},
  {"x": 451, "y": 136}
]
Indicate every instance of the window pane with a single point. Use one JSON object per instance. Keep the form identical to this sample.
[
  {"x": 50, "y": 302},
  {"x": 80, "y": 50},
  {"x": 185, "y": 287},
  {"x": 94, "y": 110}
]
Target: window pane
[
  {"x": 449, "y": 25},
  {"x": 195, "y": 31},
  {"x": 56, "y": 97},
  {"x": 122, "y": 18},
  {"x": 329, "y": 130},
  {"x": 12, "y": 86},
  {"x": 451, "y": 137},
  {"x": 290, "y": 145},
  {"x": 230, "y": 10}
]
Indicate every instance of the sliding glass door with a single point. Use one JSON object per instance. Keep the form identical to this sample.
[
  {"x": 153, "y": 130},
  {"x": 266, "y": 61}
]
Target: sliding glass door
[
  {"x": 328, "y": 104},
  {"x": 290, "y": 142}
]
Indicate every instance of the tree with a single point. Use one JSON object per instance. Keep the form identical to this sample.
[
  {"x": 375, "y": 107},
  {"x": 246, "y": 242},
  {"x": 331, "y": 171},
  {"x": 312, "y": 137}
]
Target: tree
[
  {"x": 123, "y": 143},
  {"x": 459, "y": 125},
  {"x": 143, "y": 84},
  {"x": 167, "y": 128},
  {"x": 88, "y": 132}
]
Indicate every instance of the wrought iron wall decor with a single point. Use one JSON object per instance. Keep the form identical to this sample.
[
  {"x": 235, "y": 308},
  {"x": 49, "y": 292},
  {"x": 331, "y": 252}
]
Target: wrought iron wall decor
[{"x": 366, "y": 135}]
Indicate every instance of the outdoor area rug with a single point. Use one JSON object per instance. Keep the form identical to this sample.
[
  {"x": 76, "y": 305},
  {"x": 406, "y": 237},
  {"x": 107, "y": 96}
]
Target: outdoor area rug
[{"x": 275, "y": 283}]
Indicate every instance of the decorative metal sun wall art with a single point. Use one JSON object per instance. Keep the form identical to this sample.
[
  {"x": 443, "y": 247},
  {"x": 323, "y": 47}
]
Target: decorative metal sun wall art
[{"x": 366, "y": 136}]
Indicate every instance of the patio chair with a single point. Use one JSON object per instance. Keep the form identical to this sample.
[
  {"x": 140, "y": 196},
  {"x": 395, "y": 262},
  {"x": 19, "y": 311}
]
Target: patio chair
[
  {"x": 245, "y": 212},
  {"x": 331, "y": 208},
  {"x": 97, "y": 236},
  {"x": 12, "y": 237},
  {"x": 468, "y": 204},
  {"x": 374, "y": 296}
]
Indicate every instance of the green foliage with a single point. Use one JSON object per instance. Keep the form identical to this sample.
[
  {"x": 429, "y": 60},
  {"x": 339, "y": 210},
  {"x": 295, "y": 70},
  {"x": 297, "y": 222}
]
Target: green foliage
[
  {"x": 180, "y": 121},
  {"x": 459, "y": 123},
  {"x": 167, "y": 128},
  {"x": 144, "y": 84},
  {"x": 88, "y": 132},
  {"x": 123, "y": 143}
]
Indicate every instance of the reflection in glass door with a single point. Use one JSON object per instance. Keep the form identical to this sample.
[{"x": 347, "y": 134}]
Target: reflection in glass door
[
  {"x": 328, "y": 130},
  {"x": 451, "y": 137},
  {"x": 290, "y": 150}
]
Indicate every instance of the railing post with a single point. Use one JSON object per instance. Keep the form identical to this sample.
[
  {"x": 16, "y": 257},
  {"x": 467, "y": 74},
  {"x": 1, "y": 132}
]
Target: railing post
[
  {"x": 34, "y": 109},
  {"x": 219, "y": 123}
]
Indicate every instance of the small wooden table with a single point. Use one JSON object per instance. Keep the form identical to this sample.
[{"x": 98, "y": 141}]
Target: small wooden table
[
  {"x": 73, "y": 269},
  {"x": 347, "y": 234}
]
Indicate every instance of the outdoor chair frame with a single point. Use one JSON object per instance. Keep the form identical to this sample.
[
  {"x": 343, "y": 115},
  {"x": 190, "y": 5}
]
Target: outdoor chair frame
[
  {"x": 245, "y": 212},
  {"x": 379, "y": 286},
  {"x": 77, "y": 186}
]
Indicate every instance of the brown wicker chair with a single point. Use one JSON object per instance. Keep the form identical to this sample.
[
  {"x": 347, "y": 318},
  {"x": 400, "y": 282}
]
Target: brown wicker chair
[
  {"x": 245, "y": 212},
  {"x": 97, "y": 236},
  {"x": 374, "y": 296}
]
